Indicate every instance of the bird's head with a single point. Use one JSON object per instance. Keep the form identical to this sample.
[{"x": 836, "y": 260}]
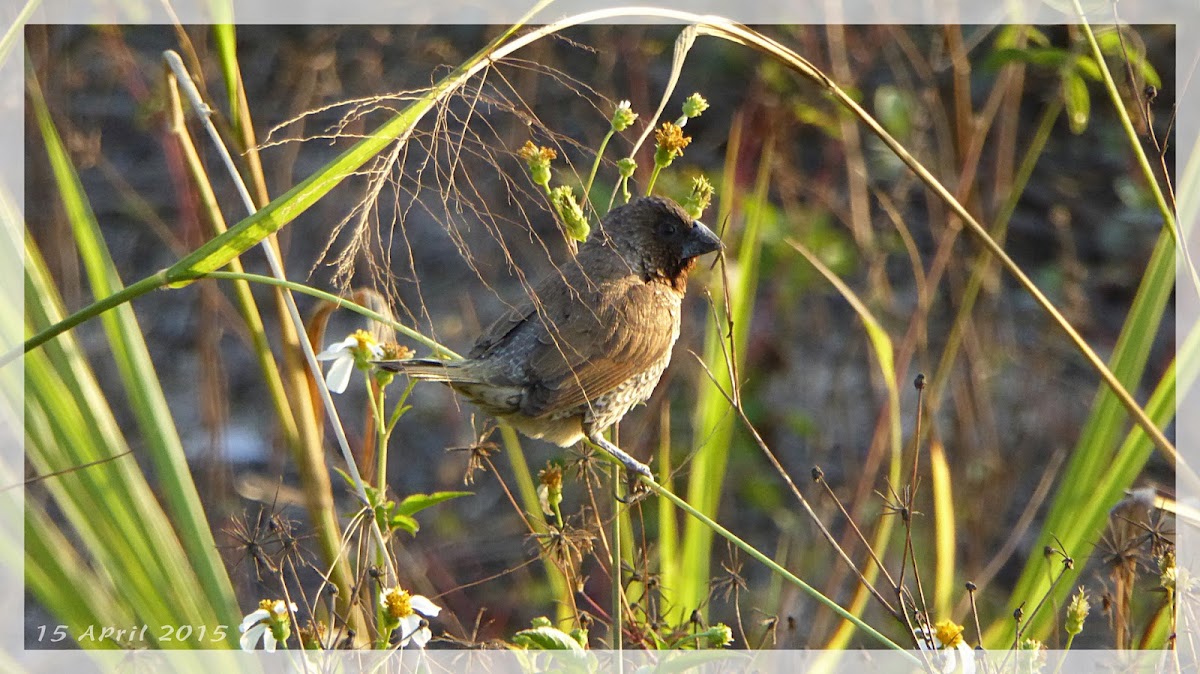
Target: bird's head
[{"x": 656, "y": 238}]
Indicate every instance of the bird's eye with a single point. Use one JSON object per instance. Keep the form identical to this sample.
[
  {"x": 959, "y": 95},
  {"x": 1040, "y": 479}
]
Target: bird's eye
[{"x": 668, "y": 230}]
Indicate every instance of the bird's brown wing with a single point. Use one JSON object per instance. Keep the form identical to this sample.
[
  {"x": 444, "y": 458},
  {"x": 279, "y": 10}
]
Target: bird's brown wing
[{"x": 601, "y": 339}]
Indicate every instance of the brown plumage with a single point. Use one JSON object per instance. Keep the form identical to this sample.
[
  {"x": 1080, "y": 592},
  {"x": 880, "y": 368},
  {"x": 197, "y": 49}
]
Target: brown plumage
[{"x": 593, "y": 338}]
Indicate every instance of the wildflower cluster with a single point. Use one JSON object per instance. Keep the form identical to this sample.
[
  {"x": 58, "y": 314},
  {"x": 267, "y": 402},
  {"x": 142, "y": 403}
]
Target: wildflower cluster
[{"x": 670, "y": 142}]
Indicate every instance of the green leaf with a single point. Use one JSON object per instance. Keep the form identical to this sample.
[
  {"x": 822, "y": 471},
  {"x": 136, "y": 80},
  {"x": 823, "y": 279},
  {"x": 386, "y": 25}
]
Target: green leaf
[
  {"x": 1110, "y": 42},
  {"x": 404, "y": 522},
  {"x": 418, "y": 502},
  {"x": 1047, "y": 57},
  {"x": 1079, "y": 103},
  {"x": 545, "y": 638},
  {"x": 1006, "y": 37},
  {"x": 1087, "y": 66}
]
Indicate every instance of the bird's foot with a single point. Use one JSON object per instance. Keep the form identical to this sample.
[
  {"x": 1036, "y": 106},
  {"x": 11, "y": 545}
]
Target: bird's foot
[{"x": 631, "y": 464}]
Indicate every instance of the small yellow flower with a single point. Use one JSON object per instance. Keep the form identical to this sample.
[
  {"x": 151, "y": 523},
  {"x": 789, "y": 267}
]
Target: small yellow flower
[
  {"x": 700, "y": 197},
  {"x": 670, "y": 141},
  {"x": 948, "y": 633},
  {"x": 538, "y": 159},
  {"x": 721, "y": 635},
  {"x": 951, "y": 653},
  {"x": 550, "y": 488},
  {"x": 407, "y": 612},
  {"x": 694, "y": 105},
  {"x": 271, "y": 622},
  {"x": 394, "y": 351},
  {"x": 314, "y": 636}
]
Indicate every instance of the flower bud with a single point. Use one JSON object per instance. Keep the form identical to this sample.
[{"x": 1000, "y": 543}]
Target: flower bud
[
  {"x": 1077, "y": 612},
  {"x": 700, "y": 197},
  {"x": 623, "y": 117},
  {"x": 626, "y": 167},
  {"x": 570, "y": 212},
  {"x": 694, "y": 105}
]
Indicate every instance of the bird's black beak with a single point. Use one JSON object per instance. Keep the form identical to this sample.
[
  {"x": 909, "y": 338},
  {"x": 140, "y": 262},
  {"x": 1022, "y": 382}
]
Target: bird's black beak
[{"x": 700, "y": 240}]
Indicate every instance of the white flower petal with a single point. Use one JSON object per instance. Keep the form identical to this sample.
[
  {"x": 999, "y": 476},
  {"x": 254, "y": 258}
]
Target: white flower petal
[
  {"x": 422, "y": 637},
  {"x": 967, "y": 655},
  {"x": 410, "y": 626},
  {"x": 375, "y": 350},
  {"x": 338, "y": 350},
  {"x": 422, "y": 605},
  {"x": 269, "y": 641},
  {"x": 945, "y": 661},
  {"x": 338, "y": 377},
  {"x": 253, "y": 619},
  {"x": 250, "y": 636}
]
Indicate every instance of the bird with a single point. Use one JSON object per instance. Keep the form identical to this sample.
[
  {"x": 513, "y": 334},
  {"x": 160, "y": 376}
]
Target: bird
[{"x": 592, "y": 339}]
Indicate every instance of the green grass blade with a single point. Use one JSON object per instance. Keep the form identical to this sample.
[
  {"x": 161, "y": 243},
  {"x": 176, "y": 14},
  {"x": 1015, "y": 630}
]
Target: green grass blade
[
  {"x": 110, "y": 506},
  {"x": 138, "y": 376},
  {"x": 1077, "y": 513}
]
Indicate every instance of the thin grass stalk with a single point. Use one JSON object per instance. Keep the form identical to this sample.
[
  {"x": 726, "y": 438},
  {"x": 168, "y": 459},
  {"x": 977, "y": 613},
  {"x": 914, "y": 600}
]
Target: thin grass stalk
[
  {"x": 668, "y": 527},
  {"x": 618, "y": 543},
  {"x": 9, "y": 39},
  {"x": 772, "y": 565},
  {"x": 225, "y": 38},
  {"x": 313, "y": 473},
  {"x": 297, "y": 323}
]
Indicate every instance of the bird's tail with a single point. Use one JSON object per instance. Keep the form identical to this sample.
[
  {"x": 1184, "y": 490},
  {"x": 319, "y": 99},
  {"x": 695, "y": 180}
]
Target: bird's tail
[{"x": 429, "y": 369}]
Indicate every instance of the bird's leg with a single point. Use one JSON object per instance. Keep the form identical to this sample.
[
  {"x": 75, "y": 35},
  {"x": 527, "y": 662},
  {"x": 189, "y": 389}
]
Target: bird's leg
[{"x": 617, "y": 453}]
